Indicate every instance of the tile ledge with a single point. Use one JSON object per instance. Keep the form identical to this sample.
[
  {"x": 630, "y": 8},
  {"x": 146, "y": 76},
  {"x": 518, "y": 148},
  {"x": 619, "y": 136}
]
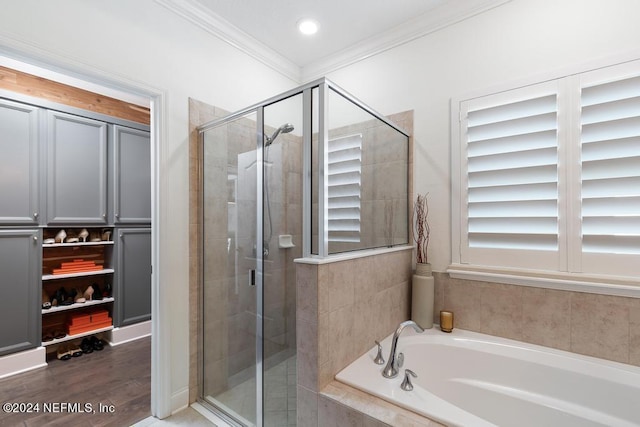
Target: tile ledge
[
  {"x": 366, "y": 404},
  {"x": 351, "y": 255},
  {"x": 616, "y": 286}
]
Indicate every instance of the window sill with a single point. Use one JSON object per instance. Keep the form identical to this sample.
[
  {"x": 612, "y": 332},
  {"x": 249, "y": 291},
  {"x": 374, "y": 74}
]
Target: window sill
[{"x": 618, "y": 286}]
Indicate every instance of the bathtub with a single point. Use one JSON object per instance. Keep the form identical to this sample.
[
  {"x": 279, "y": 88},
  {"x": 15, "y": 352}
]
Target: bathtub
[{"x": 471, "y": 379}]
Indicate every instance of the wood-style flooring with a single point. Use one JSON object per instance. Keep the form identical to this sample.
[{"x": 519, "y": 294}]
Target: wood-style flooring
[{"x": 117, "y": 378}]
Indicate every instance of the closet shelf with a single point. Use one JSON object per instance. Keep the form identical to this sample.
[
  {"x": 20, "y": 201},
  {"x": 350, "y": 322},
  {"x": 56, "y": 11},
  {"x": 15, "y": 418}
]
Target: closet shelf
[
  {"x": 77, "y": 305},
  {"x": 82, "y": 274},
  {"x": 76, "y": 336},
  {"x": 64, "y": 245}
]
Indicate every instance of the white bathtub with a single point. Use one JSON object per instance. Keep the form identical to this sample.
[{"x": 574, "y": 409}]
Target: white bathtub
[{"x": 470, "y": 379}]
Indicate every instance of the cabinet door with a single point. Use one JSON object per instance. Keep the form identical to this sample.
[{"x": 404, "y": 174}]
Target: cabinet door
[
  {"x": 77, "y": 170},
  {"x": 19, "y": 142},
  {"x": 131, "y": 176},
  {"x": 133, "y": 276},
  {"x": 21, "y": 289}
]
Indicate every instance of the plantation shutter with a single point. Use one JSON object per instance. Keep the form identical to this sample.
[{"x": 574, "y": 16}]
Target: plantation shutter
[
  {"x": 345, "y": 177},
  {"x": 512, "y": 171},
  {"x": 610, "y": 167}
]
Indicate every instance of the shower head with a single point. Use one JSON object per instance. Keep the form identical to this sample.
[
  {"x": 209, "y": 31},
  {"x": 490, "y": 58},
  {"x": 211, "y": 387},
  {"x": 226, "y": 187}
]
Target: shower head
[{"x": 285, "y": 128}]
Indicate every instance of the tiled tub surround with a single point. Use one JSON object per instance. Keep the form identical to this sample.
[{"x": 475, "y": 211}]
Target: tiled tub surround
[
  {"x": 343, "y": 306},
  {"x": 601, "y": 326},
  {"x": 595, "y": 325}
]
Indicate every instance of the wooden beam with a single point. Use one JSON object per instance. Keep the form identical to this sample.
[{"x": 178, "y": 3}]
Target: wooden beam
[{"x": 38, "y": 87}]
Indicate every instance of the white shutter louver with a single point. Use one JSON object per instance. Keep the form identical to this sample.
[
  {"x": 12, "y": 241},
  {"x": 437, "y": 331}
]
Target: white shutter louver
[
  {"x": 610, "y": 167},
  {"x": 344, "y": 175},
  {"x": 512, "y": 172}
]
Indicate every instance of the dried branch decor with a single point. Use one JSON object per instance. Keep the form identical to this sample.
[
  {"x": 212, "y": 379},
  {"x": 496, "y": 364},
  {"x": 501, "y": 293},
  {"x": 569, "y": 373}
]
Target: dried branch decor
[{"x": 421, "y": 228}]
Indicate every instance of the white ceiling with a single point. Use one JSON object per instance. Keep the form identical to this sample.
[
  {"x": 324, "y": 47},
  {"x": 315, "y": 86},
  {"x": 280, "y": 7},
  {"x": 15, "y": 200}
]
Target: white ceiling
[{"x": 350, "y": 30}]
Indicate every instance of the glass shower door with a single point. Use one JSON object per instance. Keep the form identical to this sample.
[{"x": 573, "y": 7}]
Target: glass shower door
[{"x": 231, "y": 263}]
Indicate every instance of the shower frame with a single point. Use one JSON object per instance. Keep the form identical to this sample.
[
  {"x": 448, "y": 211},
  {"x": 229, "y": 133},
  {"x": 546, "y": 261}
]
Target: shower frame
[{"x": 324, "y": 87}]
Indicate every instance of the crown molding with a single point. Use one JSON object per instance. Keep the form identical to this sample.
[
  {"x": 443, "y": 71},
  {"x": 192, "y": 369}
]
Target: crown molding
[
  {"x": 441, "y": 17},
  {"x": 197, "y": 14}
]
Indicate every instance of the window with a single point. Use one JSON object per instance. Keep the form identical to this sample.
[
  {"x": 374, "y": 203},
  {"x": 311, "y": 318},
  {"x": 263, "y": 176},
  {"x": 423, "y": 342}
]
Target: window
[
  {"x": 549, "y": 175},
  {"x": 345, "y": 170}
]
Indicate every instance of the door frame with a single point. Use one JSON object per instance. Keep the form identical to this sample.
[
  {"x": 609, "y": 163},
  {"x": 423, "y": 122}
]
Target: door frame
[{"x": 70, "y": 72}]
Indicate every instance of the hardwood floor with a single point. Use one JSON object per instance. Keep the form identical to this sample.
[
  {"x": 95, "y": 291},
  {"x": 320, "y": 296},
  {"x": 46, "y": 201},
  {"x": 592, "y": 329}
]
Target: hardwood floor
[{"x": 116, "y": 378}]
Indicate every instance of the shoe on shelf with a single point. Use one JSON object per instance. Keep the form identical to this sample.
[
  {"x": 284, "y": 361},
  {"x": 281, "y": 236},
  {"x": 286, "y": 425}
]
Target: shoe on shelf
[
  {"x": 88, "y": 293},
  {"x": 47, "y": 335},
  {"x": 60, "y": 236},
  {"x": 97, "y": 293},
  {"x": 107, "y": 291},
  {"x": 64, "y": 297},
  {"x": 46, "y": 301},
  {"x": 75, "y": 350},
  {"x": 79, "y": 297},
  {"x": 63, "y": 352},
  {"x": 59, "y": 334},
  {"x": 83, "y": 234},
  {"x": 106, "y": 235}
]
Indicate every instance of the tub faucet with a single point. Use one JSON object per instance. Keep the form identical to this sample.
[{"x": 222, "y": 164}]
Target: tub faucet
[{"x": 391, "y": 370}]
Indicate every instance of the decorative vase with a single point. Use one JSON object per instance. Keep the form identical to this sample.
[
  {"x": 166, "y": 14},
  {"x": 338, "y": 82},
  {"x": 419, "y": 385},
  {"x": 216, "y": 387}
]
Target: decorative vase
[{"x": 422, "y": 296}]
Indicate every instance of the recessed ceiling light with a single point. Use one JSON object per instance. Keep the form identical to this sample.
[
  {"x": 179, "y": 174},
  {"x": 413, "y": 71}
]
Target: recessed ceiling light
[{"x": 307, "y": 26}]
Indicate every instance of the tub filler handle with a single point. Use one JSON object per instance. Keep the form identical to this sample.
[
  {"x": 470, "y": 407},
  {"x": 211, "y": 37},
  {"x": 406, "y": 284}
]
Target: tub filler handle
[
  {"x": 379, "y": 360},
  {"x": 391, "y": 370},
  {"x": 406, "y": 384}
]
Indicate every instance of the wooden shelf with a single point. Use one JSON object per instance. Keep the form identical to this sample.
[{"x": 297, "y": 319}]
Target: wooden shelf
[
  {"x": 77, "y": 305},
  {"x": 64, "y": 245},
  {"x": 82, "y": 274},
  {"x": 76, "y": 336}
]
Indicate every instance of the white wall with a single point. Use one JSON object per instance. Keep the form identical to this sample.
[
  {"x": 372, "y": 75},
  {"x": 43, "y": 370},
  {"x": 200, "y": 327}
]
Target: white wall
[
  {"x": 515, "y": 41},
  {"x": 140, "y": 41}
]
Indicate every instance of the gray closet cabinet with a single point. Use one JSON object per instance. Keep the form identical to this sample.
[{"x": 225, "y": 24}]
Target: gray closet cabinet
[
  {"x": 21, "y": 289},
  {"x": 76, "y": 170},
  {"x": 132, "y": 291},
  {"x": 131, "y": 176},
  {"x": 19, "y": 164}
]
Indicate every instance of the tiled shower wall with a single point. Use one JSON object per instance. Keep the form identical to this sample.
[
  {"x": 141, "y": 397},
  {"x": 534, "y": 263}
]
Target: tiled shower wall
[
  {"x": 595, "y": 325},
  {"x": 343, "y": 307}
]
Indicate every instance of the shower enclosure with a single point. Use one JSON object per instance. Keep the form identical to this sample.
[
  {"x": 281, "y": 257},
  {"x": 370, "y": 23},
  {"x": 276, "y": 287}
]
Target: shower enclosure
[{"x": 309, "y": 173}]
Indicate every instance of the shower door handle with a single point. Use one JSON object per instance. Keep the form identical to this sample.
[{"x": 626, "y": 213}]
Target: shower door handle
[{"x": 252, "y": 277}]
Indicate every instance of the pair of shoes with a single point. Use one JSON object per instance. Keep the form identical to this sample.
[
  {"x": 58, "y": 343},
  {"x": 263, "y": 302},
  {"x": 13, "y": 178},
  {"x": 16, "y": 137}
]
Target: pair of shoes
[
  {"x": 96, "y": 343},
  {"x": 63, "y": 298},
  {"x": 67, "y": 351},
  {"x": 86, "y": 346},
  {"x": 52, "y": 333}
]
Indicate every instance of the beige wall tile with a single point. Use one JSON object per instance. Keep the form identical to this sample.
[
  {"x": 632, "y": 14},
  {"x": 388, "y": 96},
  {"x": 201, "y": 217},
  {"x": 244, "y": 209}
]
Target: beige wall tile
[
  {"x": 307, "y": 354},
  {"x": 546, "y": 317},
  {"x": 307, "y": 407},
  {"x": 307, "y": 292},
  {"x": 464, "y": 299},
  {"x": 501, "y": 310},
  {"x": 600, "y": 326},
  {"x": 634, "y": 332}
]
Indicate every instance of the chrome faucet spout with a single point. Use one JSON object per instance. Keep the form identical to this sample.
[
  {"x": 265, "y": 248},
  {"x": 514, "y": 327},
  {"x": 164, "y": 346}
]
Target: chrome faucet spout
[{"x": 391, "y": 370}]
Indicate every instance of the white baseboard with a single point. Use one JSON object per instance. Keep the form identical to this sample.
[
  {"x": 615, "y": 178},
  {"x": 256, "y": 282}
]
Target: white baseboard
[
  {"x": 129, "y": 333},
  {"x": 180, "y": 400},
  {"x": 22, "y": 362}
]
